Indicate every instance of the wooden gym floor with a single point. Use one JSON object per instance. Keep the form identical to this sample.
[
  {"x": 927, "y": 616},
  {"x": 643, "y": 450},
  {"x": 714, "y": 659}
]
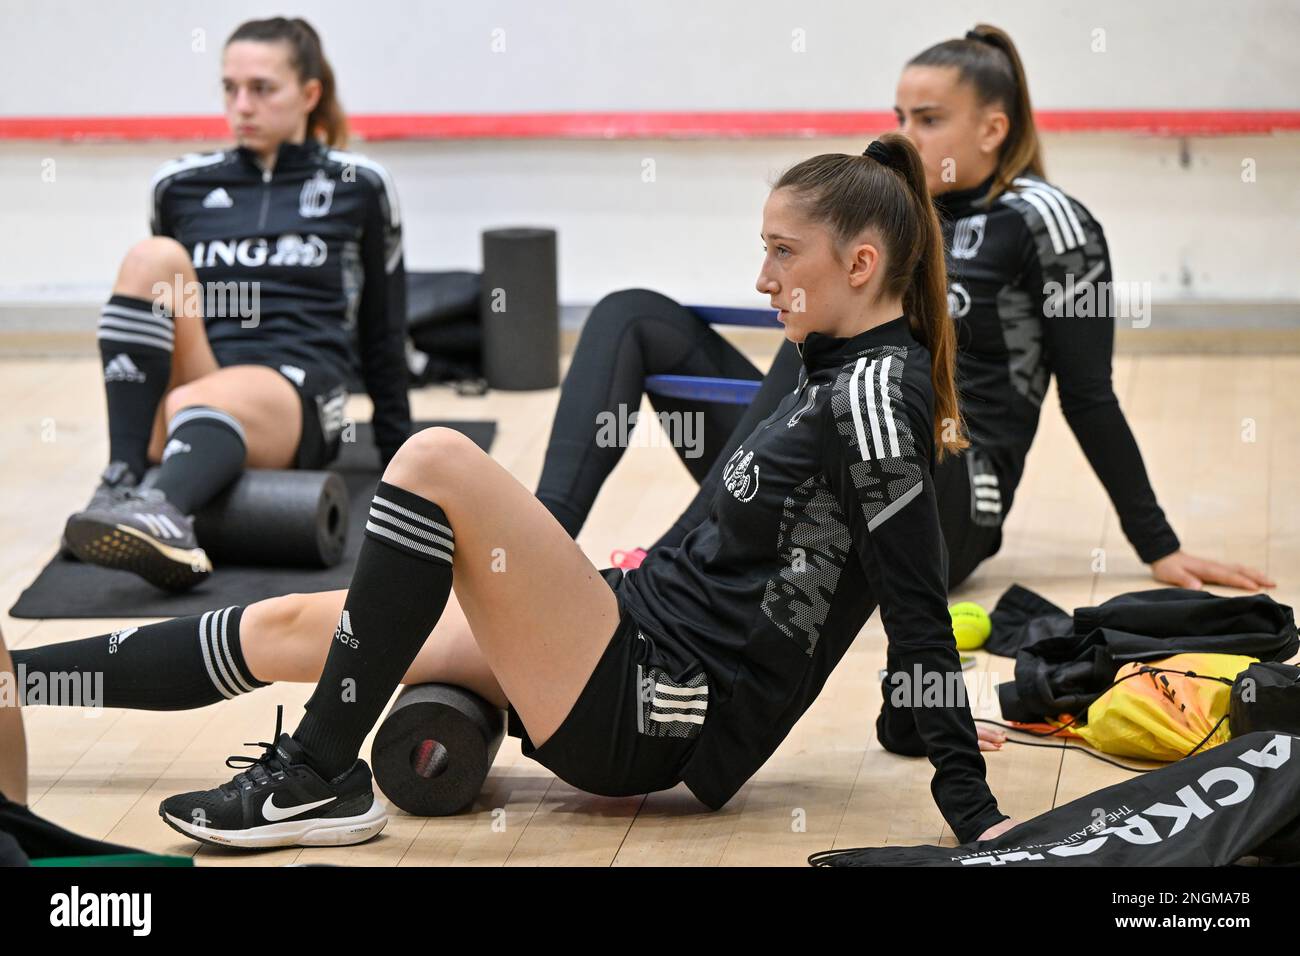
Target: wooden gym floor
[{"x": 829, "y": 785}]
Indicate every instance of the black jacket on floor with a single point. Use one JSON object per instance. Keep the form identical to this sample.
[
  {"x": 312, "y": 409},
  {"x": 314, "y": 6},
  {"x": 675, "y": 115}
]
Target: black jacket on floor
[{"x": 1064, "y": 662}]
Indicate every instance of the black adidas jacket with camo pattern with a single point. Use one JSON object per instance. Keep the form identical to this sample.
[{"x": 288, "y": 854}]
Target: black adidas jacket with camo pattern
[
  {"x": 826, "y": 511},
  {"x": 318, "y": 242},
  {"x": 1031, "y": 293}
]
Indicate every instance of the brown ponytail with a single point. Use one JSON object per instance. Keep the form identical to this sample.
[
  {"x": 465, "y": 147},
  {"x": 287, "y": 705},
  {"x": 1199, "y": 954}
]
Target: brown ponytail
[
  {"x": 327, "y": 121},
  {"x": 887, "y": 191},
  {"x": 987, "y": 59}
]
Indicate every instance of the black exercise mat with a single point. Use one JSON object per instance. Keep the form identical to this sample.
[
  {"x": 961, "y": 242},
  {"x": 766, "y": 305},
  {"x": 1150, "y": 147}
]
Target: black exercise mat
[{"x": 69, "y": 589}]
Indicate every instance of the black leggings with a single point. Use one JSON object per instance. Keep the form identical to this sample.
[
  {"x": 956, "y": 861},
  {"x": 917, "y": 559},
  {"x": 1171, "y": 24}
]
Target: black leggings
[
  {"x": 630, "y": 335},
  {"x": 637, "y": 333}
]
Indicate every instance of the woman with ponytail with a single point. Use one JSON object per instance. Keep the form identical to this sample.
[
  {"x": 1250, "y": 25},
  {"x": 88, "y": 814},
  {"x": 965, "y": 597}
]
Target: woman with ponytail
[
  {"x": 1017, "y": 243},
  {"x": 273, "y": 277},
  {"x": 696, "y": 665},
  {"x": 1030, "y": 296}
]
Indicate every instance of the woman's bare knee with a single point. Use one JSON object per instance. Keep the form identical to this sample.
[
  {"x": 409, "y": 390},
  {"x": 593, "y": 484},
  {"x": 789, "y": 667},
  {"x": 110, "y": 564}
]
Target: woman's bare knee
[
  {"x": 183, "y": 396},
  {"x": 432, "y": 461},
  {"x": 153, "y": 268}
]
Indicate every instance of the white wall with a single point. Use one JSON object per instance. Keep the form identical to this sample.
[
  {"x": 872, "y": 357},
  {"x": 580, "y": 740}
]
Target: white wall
[
  {"x": 111, "y": 57},
  {"x": 693, "y": 231},
  {"x": 1196, "y": 232}
]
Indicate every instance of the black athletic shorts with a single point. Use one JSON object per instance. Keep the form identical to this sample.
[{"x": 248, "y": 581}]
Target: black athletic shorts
[
  {"x": 323, "y": 396},
  {"x": 636, "y": 722}
]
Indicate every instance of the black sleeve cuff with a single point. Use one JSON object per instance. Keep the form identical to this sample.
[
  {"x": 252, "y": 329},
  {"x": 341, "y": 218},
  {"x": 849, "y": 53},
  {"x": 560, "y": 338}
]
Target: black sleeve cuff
[
  {"x": 1161, "y": 546},
  {"x": 982, "y": 823}
]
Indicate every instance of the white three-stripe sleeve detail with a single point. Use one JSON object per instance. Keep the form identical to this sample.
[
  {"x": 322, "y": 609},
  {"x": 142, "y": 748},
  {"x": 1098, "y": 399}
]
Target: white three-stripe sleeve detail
[
  {"x": 887, "y": 407},
  {"x": 1048, "y": 218},
  {"x": 855, "y": 408},
  {"x": 1065, "y": 203},
  {"x": 877, "y": 446}
]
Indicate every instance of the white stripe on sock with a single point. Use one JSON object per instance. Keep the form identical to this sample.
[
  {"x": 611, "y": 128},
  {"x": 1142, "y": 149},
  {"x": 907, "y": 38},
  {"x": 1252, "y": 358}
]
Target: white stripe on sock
[
  {"x": 207, "y": 656},
  {"x": 428, "y": 536},
  {"x": 244, "y": 682},
  {"x": 163, "y": 322},
  {"x": 140, "y": 328},
  {"x": 407, "y": 512},
  {"x": 407, "y": 542},
  {"x": 196, "y": 412},
  {"x": 134, "y": 339},
  {"x": 216, "y": 652}
]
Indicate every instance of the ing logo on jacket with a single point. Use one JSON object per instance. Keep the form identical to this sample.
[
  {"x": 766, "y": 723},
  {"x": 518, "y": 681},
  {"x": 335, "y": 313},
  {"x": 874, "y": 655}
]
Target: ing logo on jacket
[{"x": 736, "y": 476}]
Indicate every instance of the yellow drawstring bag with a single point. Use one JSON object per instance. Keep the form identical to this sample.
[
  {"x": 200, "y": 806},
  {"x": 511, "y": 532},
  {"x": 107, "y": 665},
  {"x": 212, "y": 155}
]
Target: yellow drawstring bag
[{"x": 1158, "y": 712}]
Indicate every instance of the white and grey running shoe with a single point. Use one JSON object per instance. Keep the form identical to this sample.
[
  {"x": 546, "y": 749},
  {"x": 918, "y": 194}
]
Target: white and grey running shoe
[
  {"x": 115, "y": 479},
  {"x": 139, "y": 530}
]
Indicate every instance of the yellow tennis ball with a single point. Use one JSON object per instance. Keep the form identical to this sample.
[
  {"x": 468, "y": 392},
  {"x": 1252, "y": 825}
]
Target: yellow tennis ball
[{"x": 970, "y": 625}]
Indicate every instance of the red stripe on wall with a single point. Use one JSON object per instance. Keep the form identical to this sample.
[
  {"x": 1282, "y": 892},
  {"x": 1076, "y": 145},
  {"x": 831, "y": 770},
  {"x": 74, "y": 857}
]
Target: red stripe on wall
[{"x": 736, "y": 125}]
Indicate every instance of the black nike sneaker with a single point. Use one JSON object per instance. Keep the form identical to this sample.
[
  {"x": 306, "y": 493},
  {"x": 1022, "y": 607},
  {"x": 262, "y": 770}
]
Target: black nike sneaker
[
  {"x": 139, "y": 530},
  {"x": 280, "y": 801},
  {"x": 114, "y": 481}
]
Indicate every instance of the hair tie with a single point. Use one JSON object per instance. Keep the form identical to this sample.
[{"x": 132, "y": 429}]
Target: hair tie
[
  {"x": 979, "y": 37},
  {"x": 879, "y": 152}
]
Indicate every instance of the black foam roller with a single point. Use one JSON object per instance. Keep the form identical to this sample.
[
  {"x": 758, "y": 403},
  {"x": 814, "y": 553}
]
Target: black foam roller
[
  {"x": 434, "y": 749},
  {"x": 519, "y": 306},
  {"x": 279, "y": 518}
]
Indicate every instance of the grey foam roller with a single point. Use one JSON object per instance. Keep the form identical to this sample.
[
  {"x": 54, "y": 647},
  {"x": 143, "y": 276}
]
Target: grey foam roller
[
  {"x": 433, "y": 750},
  {"x": 519, "y": 307},
  {"x": 277, "y": 518}
]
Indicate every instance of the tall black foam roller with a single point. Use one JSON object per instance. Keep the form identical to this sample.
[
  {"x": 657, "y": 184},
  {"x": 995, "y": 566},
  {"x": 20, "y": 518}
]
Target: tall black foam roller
[
  {"x": 519, "y": 305},
  {"x": 433, "y": 750},
  {"x": 277, "y": 518}
]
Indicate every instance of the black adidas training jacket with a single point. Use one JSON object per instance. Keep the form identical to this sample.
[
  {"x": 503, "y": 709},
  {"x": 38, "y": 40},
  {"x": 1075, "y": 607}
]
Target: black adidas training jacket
[
  {"x": 826, "y": 511},
  {"x": 321, "y": 236},
  {"x": 1031, "y": 294}
]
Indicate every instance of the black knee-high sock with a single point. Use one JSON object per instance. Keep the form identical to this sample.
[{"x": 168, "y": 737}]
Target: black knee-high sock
[
  {"x": 135, "y": 345},
  {"x": 173, "y": 665},
  {"x": 399, "y": 589},
  {"x": 205, "y": 452}
]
